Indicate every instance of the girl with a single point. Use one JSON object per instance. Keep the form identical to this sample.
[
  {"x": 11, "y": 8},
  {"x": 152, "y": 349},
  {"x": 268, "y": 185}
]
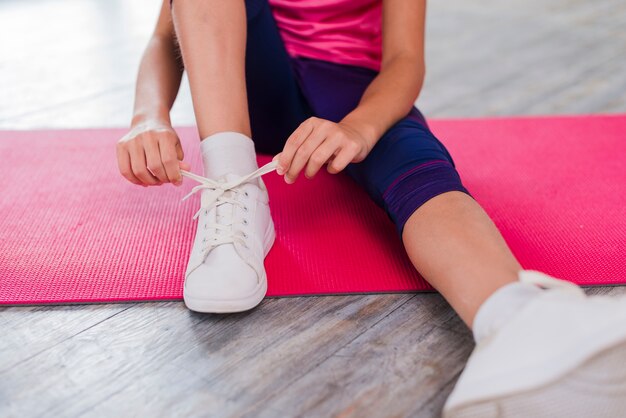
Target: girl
[{"x": 332, "y": 83}]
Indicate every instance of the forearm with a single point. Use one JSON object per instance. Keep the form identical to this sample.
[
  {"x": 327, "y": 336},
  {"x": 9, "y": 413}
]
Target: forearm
[
  {"x": 158, "y": 81},
  {"x": 388, "y": 98}
]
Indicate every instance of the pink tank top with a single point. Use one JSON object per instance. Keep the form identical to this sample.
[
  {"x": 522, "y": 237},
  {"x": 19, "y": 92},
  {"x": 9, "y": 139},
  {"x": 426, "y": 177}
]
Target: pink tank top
[{"x": 340, "y": 31}]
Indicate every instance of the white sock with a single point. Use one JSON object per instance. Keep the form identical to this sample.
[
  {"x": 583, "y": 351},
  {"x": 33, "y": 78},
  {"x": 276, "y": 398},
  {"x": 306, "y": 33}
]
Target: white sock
[
  {"x": 228, "y": 153},
  {"x": 503, "y": 304}
]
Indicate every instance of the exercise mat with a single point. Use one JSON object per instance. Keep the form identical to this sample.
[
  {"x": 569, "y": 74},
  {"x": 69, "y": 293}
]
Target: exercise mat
[{"x": 72, "y": 230}]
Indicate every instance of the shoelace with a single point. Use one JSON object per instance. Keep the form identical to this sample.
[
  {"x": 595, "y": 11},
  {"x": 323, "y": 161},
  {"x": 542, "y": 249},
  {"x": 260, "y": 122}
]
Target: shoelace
[
  {"x": 216, "y": 198},
  {"x": 541, "y": 279}
]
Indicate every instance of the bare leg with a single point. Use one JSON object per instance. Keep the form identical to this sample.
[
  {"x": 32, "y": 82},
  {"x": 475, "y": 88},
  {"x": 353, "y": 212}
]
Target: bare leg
[
  {"x": 212, "y": 39},
  {"x": 454, "y": 245}
]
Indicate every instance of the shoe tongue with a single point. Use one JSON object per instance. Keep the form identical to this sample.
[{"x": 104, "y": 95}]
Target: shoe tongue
[
  {"x": 232, "y": 177},
  {"x": 224, "y": 212}
]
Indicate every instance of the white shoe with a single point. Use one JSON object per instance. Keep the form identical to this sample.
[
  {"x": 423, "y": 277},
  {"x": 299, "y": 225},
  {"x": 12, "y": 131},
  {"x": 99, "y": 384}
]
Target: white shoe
[
  {"x": 562, "y": 355},
  {"x": 225, "y": 272}
]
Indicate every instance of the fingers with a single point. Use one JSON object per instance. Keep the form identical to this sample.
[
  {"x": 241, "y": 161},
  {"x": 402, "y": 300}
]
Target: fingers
[
  {"x": 153, "y": 160},
  {"x": 320, "y": 156},
  {"x": 179, "y": 150},
  {"x": 123, "y": 163},
  {"x": 169, "y": 158},
  {"x": 139, "y": 164},
  {"x": 341, "y": 160},
  {"x": 317, "y": 142},
  {"x": 293, "y": 143},
  {"x": 151, "y": 157},
  {"x": 304, "y": 153}
]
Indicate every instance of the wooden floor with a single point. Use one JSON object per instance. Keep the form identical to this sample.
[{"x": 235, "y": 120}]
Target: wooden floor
[{"x": 73, "y": 63}]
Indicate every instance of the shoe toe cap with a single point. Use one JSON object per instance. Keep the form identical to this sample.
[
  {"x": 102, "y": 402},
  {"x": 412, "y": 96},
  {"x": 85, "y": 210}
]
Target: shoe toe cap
[{"x": 221, "y": 282}]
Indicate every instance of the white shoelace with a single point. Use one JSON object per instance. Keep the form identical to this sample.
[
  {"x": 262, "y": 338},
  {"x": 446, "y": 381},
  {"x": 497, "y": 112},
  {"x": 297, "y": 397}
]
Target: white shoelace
[{"x": 216, "y": 198}]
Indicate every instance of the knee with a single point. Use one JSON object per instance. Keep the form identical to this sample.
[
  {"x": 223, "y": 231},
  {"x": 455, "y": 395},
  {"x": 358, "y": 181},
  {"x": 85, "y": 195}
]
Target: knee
[
  {"x": 407, "y": 167},
  {"x": 417, "y": 186}
]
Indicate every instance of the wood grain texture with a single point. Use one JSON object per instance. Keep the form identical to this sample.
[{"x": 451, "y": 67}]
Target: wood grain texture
[
  {"x": 30, "y": 330},
  {"x": 73, "y": 64}
]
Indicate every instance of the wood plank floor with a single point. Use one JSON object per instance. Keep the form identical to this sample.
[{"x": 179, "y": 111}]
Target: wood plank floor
[{"x": 72, "y": 64}]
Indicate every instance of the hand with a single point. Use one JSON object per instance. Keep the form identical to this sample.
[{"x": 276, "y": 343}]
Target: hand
[
  {"x": 149, "y": 155},
  {"x": 317, "y": 142}
]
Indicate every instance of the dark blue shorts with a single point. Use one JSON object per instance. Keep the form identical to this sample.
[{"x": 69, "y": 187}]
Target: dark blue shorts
[{"x": 405, "y": 168}]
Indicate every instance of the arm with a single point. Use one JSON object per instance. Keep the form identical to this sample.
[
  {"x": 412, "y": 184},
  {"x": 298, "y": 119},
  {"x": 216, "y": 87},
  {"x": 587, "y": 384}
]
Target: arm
[
  {"x": 393, "y": 92},
  {"x": 149, "y": 154},
  {"x": 160, "y": 73},
  {"x": 387, "y": 99}
]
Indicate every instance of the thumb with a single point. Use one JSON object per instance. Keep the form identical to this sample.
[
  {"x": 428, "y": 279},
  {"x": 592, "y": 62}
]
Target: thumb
[
  {"x": 180, "y": 154},
  {"x": 179, "y": 150}
]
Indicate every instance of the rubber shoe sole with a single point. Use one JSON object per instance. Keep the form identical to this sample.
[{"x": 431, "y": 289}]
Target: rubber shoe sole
[{"x": 240, "y": 304}]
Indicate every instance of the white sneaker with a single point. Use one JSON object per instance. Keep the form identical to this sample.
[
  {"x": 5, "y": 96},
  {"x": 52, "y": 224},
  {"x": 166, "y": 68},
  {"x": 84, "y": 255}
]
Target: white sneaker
[
  {"x": 225, "y": 272},
  {"x": 562, "y": 355}
]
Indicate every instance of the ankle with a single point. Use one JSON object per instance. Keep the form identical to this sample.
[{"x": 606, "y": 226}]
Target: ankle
[
  {"x": 501, "y": 306},
  {"x": 228, "y": 153}
]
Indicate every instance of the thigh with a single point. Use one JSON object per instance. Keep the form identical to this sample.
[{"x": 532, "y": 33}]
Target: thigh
[
  {"x": 275, "y": 102},
  {"x": 334, "y": 90},
  {"x": 405, "y": 146}
]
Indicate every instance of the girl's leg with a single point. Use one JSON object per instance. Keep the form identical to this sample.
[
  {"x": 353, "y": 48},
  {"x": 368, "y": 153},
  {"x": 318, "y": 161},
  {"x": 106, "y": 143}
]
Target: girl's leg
[
  {"x": 449, "y": 238},
  {"x": 456, "y": 247},
  {"x": 212, "y": 39},
  {"x": 539, "y": 353},
  {"x": 237, "y": 66},
  {"x": 239, "y": 71}
]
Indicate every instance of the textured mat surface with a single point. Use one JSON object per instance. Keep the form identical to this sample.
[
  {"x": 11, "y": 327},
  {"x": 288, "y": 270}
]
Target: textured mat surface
[{"x": 73, "y": 230}]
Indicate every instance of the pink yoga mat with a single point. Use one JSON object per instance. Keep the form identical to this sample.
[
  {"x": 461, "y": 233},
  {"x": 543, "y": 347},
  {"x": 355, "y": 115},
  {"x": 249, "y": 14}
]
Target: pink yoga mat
[{"x": 73, "y": 230}]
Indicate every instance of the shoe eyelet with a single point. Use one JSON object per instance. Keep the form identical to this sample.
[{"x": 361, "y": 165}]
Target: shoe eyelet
[
  {"x": 246, "y": 194},
  {"x": 245, "y": 235},
  {"x": 205, "y": 227},
  {"x": 206, "y": 212},
  {"x": 245, "y": 208},
  {"x": 245, "y": 222}
]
